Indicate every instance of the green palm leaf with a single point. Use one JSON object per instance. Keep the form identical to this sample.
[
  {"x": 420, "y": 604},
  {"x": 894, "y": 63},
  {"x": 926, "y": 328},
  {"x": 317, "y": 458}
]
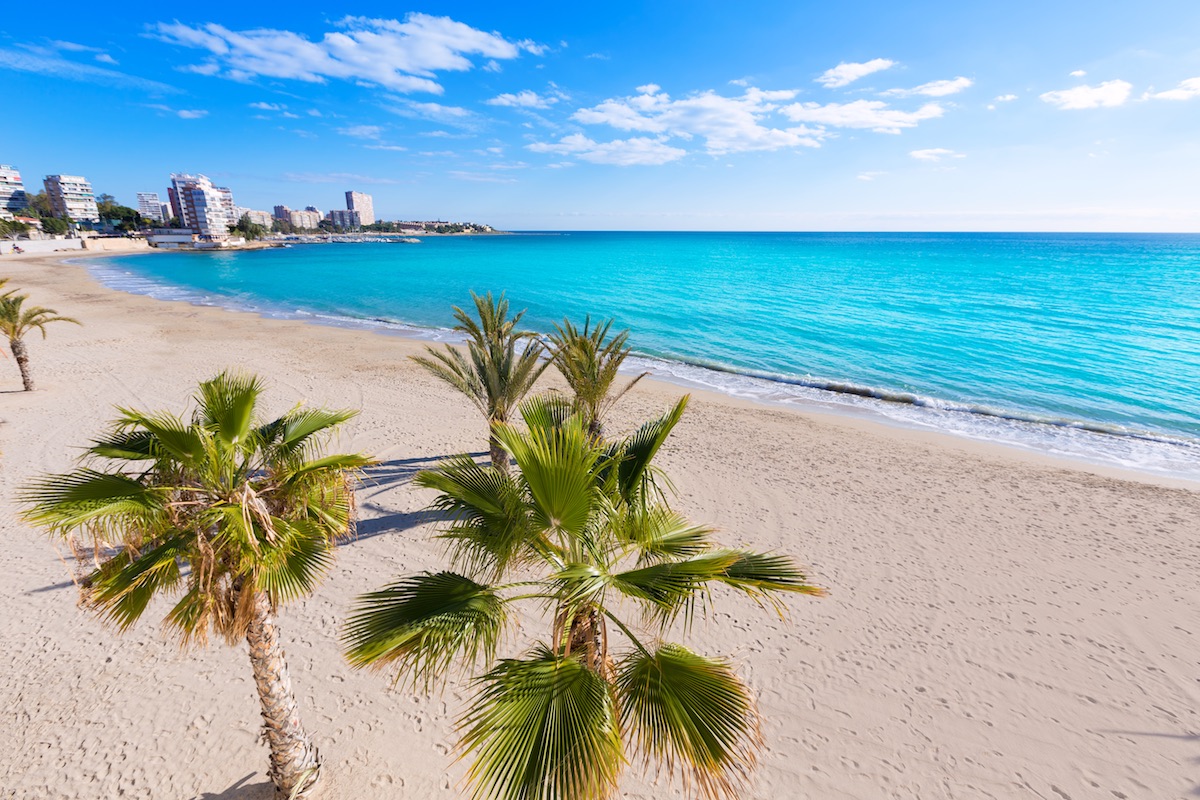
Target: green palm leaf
[
  {"x": 424, "y": 623},
  {"x": 543, "y": 728},
  {"x": 691, "y": 714}
]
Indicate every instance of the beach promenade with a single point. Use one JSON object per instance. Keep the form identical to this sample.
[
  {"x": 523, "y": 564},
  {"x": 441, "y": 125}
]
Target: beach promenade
[{"x": 998, "y": 624}]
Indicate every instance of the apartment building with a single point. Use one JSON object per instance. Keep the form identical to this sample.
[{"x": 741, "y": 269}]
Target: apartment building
[
  {"x": 12, "y": 189},
  {"x": 308, "y": 220},
  {"x": 208, "y": 210},
  {"x": 345, "y": 220},
  {"x": 364, "y": 204},
  {"x": 71, "y": 196},
  {"x": 150, "y": 206}
]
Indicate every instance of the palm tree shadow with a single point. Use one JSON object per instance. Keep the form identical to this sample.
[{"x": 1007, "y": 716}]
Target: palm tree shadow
[
  {"x": 242, "y": 791},
  {"x": 397, "y": 522},
  {"x": 387, "y": 474}
]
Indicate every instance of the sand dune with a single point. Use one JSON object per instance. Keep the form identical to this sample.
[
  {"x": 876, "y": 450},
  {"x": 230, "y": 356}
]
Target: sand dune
[{"x": 998, "y": 625}]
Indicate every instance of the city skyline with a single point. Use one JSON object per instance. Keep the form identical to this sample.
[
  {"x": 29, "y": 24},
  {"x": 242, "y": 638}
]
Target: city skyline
[{"x": 930, "y": 117}]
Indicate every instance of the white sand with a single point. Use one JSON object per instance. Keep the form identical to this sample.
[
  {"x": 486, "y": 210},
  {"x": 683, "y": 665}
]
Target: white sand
[{"x": 998, "y": 625}]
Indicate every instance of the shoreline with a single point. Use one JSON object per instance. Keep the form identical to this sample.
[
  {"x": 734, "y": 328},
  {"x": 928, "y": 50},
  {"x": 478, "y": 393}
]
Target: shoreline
[
  {"x": 997, "y": 624},
  {"x": 1027, "y": 434}
]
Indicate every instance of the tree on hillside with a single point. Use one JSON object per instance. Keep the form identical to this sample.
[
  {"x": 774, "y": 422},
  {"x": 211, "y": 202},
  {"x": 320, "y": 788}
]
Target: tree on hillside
[
  {"x": 55, "y": 225},
  {"x": 500, "y": 366},
  {"x": 582, "y": 531},
  {"x": 16, "y": 321},
  {"x": 251, "y": 230},
  {"x": 228, "y": 515}
]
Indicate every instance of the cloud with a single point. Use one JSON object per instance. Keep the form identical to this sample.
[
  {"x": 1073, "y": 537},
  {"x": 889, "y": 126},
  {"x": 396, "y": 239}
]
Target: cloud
[
  {"x": 1186, "y": 90},
  {"x": 934, "y": 88},
  {"x": 56, "y": 67},
  {"x": 934, "y": 154},
  {"x": 598, "y": 56},
  {"x": 434, "y": 112},
  {"x": 522, "y": 99},
  {"x": 726, "y": 124},
  {"x": 492, "y": 66},
  {"x": 874, "y": 115},
  {"x": 1107, "y": 95},
  {"x": 844, "y": 74},
  {"x": 312, "y": 112},
  {"x": 268, "y": 106},
  {"x": 390, "y": 147},
  {"x": 480, "y": 177},
  {"x": 182, "y": 113},
  {"x": 638, "y": 151},
  {"x": 869, "y": 176},
  {"x": 105, "y": 58},
  {"x": 1005, "y": 98},
  {"x": 335, "y": 177},
  {"x": 361, "y": 131},
  {"x": 1078, "y": 73},
  {"x": 403, "y": 56}
]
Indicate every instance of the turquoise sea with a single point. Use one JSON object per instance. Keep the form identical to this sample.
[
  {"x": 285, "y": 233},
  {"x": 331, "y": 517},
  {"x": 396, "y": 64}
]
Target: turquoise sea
[{"x": 1086, "y": 345}]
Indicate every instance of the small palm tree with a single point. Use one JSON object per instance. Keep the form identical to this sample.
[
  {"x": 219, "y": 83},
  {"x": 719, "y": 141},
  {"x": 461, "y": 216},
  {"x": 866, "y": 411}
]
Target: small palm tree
[
  {"x": 16, "y": 321},
  {"x": 583, "y": 530},
  {"x": 231, "y": 515},
  {"x": 492, "y": 373},
  {"x": 590, "y": 366}
]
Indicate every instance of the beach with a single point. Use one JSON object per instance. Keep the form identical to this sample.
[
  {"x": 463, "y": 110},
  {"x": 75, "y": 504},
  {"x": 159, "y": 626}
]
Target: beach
[{"x": 997, "y": 624}]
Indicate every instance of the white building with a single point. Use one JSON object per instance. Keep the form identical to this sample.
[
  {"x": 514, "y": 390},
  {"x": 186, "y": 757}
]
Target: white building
[
  {"x": 71, "y": 196},
  {"x": 307, "y": 220},
  {"x": 206, "y": 209},
  {"x": 149, "y": 206},
  {"x": 12, "y": 189},
  {"x": 363, "y": 204},
  {"x": 263, "y": 218}
]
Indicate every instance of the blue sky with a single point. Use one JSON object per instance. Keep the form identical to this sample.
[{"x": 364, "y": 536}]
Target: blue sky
[{"x": 654, "y": 116}]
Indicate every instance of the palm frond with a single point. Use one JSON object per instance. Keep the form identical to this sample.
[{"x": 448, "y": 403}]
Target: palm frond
[
  {"x": 424, "y": 623},
  {"x": 691, "y": 714},
  {"x": 765, "y": 575},
  {"x": 557, "y": 466},
  {"x": 543, "y": 728},
  {"x": 63, "y": 503},
  {"x": 633, "y": 456}
]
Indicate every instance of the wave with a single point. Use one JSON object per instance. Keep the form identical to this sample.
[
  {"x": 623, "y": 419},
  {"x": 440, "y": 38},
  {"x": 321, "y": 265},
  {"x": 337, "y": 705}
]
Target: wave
[{"x": 1081, "y": 440}]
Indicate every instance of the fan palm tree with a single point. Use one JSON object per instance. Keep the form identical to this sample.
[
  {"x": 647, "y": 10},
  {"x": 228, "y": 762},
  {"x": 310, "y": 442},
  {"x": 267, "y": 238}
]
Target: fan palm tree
[
  {"x": 590, "y": 366},
  {"x": 492, "y": 373},
  {"x": 231, "y": 515},
  {"x": 16, "y": 321},
  {"x": 583, "y": 530}
]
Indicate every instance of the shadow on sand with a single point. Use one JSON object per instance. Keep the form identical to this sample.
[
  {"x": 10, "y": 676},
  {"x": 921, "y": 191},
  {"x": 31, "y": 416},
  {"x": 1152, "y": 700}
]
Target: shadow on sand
[{"x": 243, "y": 791}]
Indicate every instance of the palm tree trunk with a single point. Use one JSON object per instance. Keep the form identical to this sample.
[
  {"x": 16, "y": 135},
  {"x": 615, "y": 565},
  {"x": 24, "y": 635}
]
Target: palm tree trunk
[
  {"x": 499, "y": 454},
  {"x": 295, "y": 762},
  {"x": 21, "y": 354}
]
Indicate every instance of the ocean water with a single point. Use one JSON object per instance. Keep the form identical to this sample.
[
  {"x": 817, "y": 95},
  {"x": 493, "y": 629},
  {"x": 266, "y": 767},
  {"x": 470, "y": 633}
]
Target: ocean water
[{"x": 1082, "y": 345}]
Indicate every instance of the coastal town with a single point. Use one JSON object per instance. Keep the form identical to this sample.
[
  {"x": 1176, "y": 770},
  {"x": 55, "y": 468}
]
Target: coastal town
[{"x": 197, "y": 215}]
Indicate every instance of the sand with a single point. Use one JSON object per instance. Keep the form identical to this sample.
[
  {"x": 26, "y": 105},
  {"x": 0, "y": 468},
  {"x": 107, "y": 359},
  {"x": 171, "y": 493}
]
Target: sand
[{"x": 997, "y": 625}]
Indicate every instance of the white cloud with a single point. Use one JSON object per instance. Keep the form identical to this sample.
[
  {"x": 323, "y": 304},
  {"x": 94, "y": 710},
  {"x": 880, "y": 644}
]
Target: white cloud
[
  {"x": 844, "y": 74},
  {"x": 598, "y": 56},
  {"x": 56, "y": 67},
  {"x": 1005, "y": 98},
  {"x": 1078, "y": 73},
  {"x": 874, "y": 115},
  {"x": 935, "y": 154},
  {"x": 361, "y": 131},
  {"x": 492, "y": 66},
  {"x": 395, "y": 148},
  {"x": 334, "y": 177},
  {"x": 522, "y": 99},
  {"x": 434, "y": 112},
  {"x": 268, "y": 106},
  {"x": 105, "y": 58},
  {"x": 934, "y": 88},
  {"x": 312, "y": 112},
  {"x": 182, "y": 113},
  {"x": 726, "y": 124},
  {"x": 404, "y": 56},
  {"x": 1106, "y": 95},
  {"x": 1186, "y": 90},
  {"x": 638, "y": 151},
  {"x": 869, "y": 176}
]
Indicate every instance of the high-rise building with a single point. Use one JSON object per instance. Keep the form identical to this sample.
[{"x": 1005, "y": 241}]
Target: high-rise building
[
  {"x": 313, "y": 209},
  {"x": 283, "y": 213},
  {"x": 206, "y": 209},
  {"x": 71, "y": 196},
  {"x": 257, "y": 217},
  {"x": 166, "y": 212},
  {"x": 12, "y": 189},
  {"x": 363, "y": 204},
  {"x": 149, "y": 206},
  {"x": 345, "y": 219}
]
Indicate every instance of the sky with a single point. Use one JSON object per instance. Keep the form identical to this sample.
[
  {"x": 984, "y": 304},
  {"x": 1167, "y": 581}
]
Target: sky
[{"x": 628, "y": 116}]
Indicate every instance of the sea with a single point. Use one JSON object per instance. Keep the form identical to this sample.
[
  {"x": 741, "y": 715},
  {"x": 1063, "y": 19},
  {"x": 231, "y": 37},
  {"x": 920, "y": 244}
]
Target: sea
[{"x": 1085, "y": 346}]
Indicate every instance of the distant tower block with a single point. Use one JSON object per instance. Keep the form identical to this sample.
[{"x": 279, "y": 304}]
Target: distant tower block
[{"x": 362, "y": 203}]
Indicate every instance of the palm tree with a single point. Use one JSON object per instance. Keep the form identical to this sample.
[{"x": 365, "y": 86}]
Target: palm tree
[
  {"x": 16, "y": 321},
  {"x": 231, "y": 515},
  {"x": 590, "y": 366},
  {"x": 582, "y": 530},
  {"x": 493, "y": 374}
]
